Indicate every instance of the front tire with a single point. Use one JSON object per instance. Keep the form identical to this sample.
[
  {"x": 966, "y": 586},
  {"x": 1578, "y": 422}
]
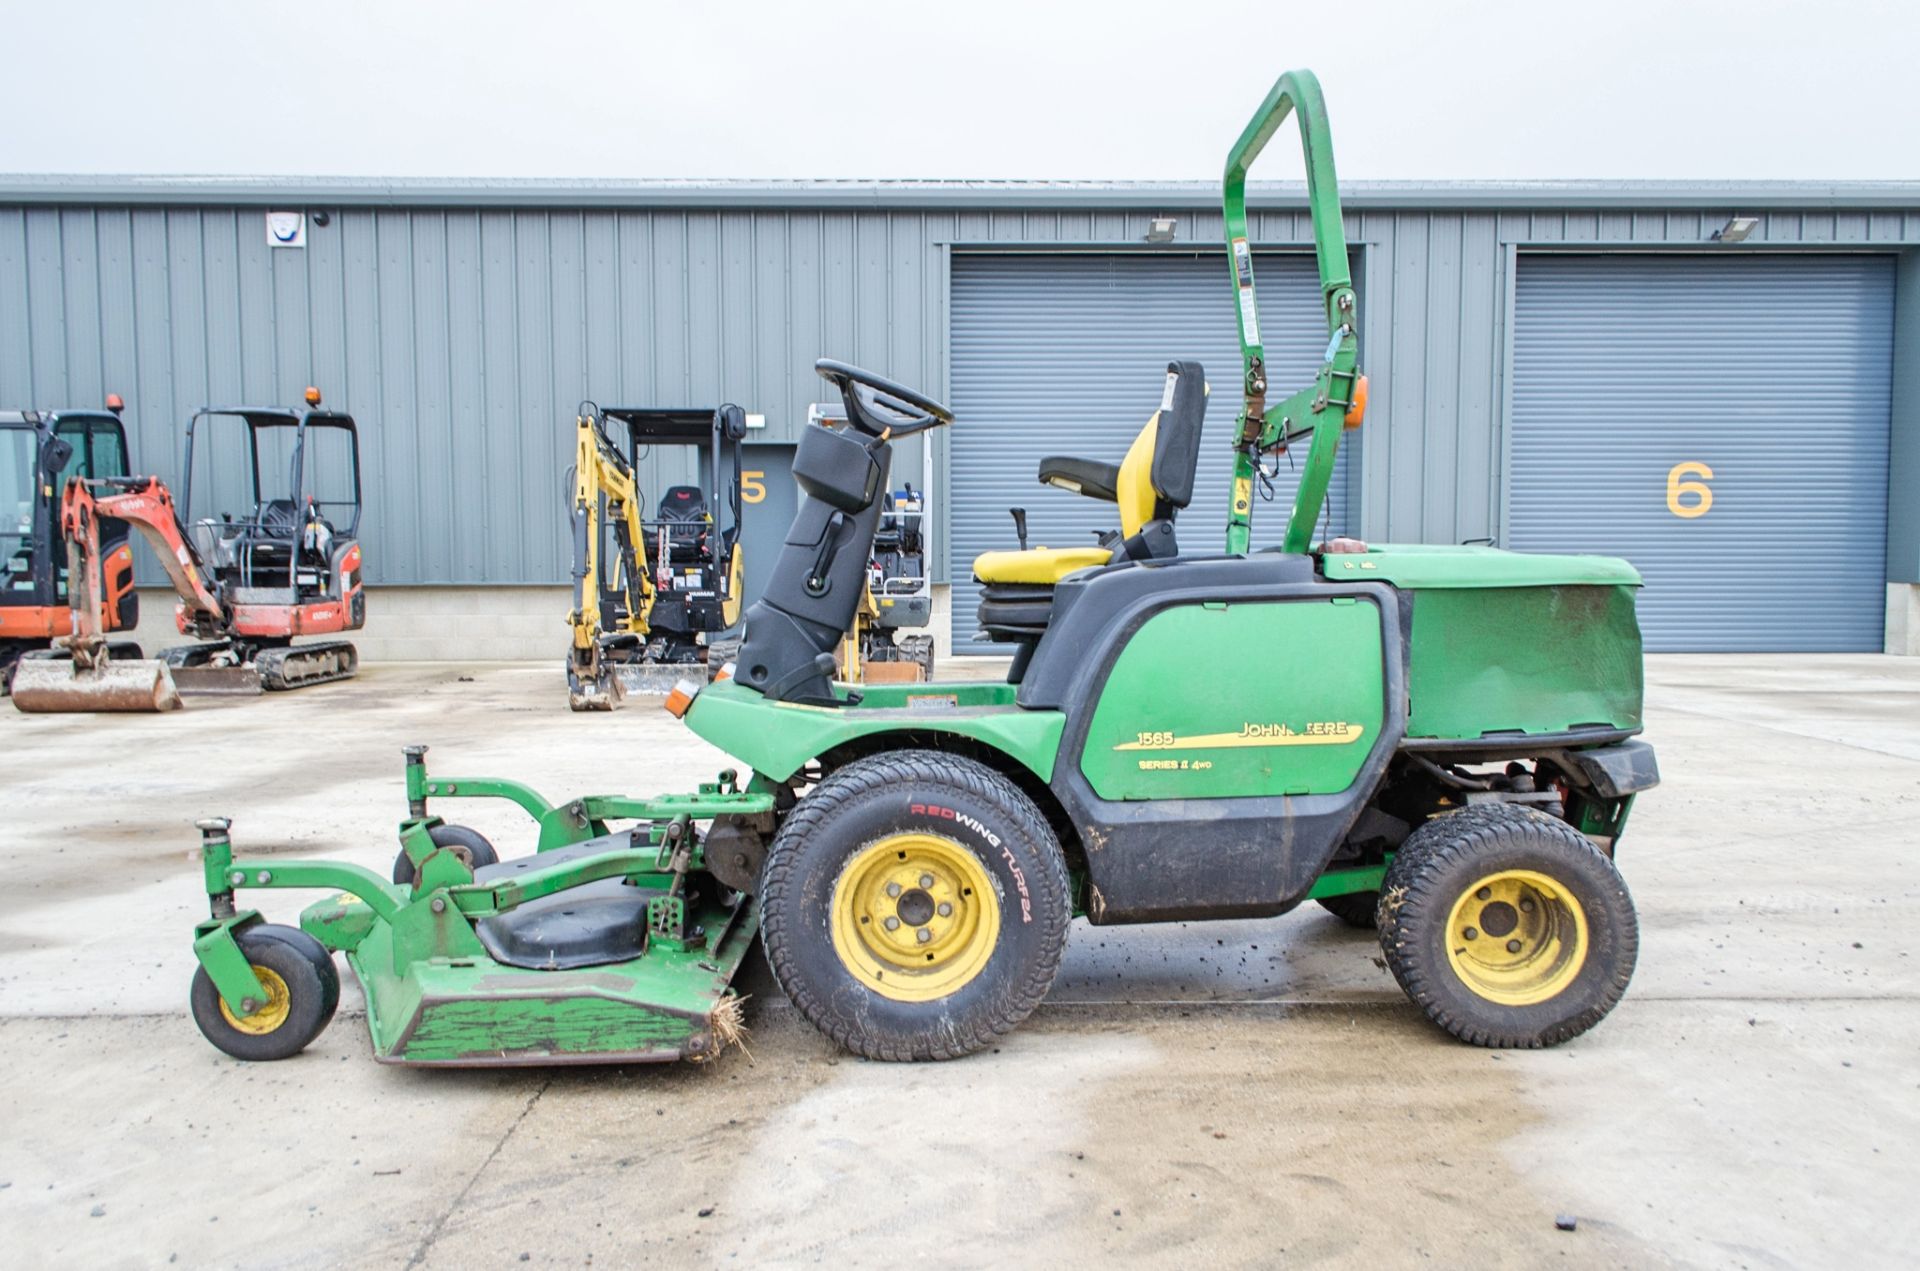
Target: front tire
[
  {"x": 915, "y": 906},
  {"x": 303, "y": 989},
  {"x": 1508, "y": 927}
]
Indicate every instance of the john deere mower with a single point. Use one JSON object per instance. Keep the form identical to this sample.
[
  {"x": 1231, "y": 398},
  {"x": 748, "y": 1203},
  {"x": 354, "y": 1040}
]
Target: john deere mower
[
  {"x": 651, "y": 597},
  {"x": 39, "y": 452},
  {"x": 1439, "y": 741}
]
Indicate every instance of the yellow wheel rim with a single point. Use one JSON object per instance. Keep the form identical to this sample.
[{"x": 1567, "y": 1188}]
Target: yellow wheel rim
[
  {"x": 915, "y": 917},
  {"x": 1517, "y": 937},
  {"x": 268, "y": 1017}
]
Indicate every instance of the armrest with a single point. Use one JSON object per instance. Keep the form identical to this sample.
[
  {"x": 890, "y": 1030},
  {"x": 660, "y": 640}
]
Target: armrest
[{"x": 1090, "y": 477}]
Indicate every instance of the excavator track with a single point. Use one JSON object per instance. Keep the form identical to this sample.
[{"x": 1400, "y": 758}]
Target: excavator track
[{"x": 302, "y": 665}]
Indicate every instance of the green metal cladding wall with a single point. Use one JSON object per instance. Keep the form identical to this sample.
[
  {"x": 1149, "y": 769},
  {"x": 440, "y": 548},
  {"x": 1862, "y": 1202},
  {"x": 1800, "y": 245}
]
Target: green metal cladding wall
[{"x": 463, "y": 337}]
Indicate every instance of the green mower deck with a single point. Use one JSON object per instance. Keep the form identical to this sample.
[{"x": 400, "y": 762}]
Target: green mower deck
[{"x": 454, "y": 977}]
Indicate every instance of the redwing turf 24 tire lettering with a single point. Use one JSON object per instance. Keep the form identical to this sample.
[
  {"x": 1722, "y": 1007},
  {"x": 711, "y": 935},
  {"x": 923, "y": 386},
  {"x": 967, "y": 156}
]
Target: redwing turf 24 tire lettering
[
  {"x": 915, "y": 906},
  {"x": 1508, "y": 927}
]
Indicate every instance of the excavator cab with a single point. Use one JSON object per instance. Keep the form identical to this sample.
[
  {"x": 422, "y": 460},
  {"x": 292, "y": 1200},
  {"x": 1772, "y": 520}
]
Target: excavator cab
[
  {"x": 271, "y": 507},
  {"x": 653, "y": 593},
  {"x": 39, "y": 451},
  {"x": 272, "y": 503}
]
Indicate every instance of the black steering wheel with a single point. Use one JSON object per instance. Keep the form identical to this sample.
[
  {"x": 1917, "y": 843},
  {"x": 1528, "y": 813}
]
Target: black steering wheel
[{"x": 880, "y": 406}]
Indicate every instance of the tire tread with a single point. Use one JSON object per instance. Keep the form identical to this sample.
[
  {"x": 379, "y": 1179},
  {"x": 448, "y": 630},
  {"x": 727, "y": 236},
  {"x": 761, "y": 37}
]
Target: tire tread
[
  {"x": 855, "y": 781},
  {"x": 1410, "y": 889}
]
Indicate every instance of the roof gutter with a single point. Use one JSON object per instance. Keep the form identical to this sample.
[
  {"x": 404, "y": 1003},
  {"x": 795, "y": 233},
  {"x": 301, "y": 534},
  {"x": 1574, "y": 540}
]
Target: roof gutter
[{"x": 181, "y": 191}]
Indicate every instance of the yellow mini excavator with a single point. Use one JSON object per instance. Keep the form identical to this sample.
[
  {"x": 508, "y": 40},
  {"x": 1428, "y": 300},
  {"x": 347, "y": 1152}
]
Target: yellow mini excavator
[{"x": 652, "y": 596}]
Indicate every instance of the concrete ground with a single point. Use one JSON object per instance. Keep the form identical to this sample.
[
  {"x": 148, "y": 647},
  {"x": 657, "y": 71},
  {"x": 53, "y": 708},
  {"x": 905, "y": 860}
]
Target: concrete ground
[{"x": 1247, "y": 1093}]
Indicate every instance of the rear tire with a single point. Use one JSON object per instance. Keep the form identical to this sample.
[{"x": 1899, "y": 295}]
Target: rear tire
[
  {"x": 915, "y": 906},
  {"x": 1356, "y": 909},
  {"x": 1508, "y": 927},
  {"x": 470, "y": 846},
  {"x": 303, "y": 991}
]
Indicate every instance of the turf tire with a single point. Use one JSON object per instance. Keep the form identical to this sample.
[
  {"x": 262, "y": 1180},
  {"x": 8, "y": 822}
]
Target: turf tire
[
  {"x": 1448, "y": 854},
  {"x": 870, "y": 799}
]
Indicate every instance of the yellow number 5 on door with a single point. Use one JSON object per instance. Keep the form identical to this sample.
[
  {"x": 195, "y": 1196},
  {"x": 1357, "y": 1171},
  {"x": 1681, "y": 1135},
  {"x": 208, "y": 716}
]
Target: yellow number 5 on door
[{"x": 1678, "y": 488}]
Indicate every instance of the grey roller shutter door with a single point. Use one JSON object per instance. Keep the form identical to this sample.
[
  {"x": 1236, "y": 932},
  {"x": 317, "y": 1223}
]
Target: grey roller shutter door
[
  {"x": 1772, "y": 372},
  {"x": 1067, "y": 355}
]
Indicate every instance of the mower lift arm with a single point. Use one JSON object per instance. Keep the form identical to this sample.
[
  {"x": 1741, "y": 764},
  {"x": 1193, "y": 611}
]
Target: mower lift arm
[{"x": 1330, "y": 403}]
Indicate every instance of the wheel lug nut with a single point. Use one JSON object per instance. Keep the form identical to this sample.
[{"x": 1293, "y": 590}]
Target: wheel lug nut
[
  {"x": 1526, "y": 906},
  {"x": 1485, "y": 893},
  {"x": 926, "y": 880},
  {"x": 893, "y": 890},
  {"x": 923, "y": 935},
  {"x": 945, "y": 910},
  {"x": 1513, "y": 946},
  {"x": 891, "y": 924},
  {"x": 1471, "y": 934}
]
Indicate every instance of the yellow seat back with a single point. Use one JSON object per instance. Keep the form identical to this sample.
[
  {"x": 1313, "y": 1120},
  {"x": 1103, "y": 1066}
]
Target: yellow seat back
[{"x": 1135, "y": 485}]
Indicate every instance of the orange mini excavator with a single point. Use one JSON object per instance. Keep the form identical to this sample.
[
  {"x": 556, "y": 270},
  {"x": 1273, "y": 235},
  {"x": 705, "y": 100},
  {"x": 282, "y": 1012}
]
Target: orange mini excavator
[
  {"x": 39, "y": 450},
  {"x": 266, "y": 564}
]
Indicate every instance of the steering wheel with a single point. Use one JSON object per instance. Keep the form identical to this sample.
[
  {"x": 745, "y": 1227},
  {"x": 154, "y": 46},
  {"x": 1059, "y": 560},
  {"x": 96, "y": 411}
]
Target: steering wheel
[{"x": 880, "y": 406}]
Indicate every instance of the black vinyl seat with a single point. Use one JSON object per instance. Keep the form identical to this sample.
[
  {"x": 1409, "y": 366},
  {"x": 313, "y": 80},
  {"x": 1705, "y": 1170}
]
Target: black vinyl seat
[{"x": 684, "y": 509}]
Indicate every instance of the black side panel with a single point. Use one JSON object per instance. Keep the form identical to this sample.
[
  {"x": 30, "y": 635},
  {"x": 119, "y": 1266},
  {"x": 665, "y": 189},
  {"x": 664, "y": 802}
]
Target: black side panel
[
  {"x": 1171, "y": 860},
  {"x": 1087, "y": 604},
  {"x": 821, "y": 575}
]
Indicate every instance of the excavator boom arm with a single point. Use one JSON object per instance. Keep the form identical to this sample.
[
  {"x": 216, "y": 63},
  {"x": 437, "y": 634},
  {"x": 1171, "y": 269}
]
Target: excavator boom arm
[
  {"x": 146, "y": 504},
  {"x": 601, "y": 476}
]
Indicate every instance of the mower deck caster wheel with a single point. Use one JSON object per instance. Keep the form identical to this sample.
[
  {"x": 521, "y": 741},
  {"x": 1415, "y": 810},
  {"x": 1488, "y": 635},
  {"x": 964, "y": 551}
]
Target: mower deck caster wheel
[
  {"x": 1507, "y": 926},
  {"x": 470, "y": 846},
  {"x": 1356, "y": 909},
  {"x": 303, "y": 989}
]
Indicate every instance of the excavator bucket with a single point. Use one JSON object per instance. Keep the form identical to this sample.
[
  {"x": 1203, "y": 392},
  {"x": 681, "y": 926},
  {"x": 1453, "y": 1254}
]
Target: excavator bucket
[
  {"x": 218, "y": 681},
  {"x": 58, "y": 685}
]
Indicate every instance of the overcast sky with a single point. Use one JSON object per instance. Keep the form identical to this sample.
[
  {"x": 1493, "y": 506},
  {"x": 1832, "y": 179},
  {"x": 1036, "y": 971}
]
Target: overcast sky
[{"x": 1124, "y": 89}]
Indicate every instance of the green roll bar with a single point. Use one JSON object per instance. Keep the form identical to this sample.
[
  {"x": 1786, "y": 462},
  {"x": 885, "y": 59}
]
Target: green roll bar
[{"x": 1319, "y": 411}]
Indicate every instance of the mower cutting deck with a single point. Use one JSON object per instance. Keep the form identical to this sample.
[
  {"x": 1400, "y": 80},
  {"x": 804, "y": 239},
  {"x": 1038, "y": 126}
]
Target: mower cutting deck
[{"x": 602, "y": 946}]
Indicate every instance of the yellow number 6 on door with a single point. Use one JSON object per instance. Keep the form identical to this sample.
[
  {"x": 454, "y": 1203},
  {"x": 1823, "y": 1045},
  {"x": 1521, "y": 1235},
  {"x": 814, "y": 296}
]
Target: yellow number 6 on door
[{"x": 1677, "y": 486}]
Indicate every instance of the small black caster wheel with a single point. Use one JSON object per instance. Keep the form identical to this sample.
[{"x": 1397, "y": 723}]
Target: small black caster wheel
[
  {"x": 470, "y": 846},
  {"x": 303, "y": 989}
]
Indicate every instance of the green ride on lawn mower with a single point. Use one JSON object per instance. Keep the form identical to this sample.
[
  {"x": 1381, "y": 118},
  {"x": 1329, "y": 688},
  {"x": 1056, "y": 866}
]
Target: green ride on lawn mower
[{"x": 1435, "y": 740}]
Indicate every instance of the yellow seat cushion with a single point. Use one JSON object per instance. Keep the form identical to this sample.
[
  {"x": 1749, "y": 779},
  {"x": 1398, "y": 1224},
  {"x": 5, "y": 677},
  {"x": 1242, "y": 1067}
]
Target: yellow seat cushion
[{"x": 1042, "y": 565}]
